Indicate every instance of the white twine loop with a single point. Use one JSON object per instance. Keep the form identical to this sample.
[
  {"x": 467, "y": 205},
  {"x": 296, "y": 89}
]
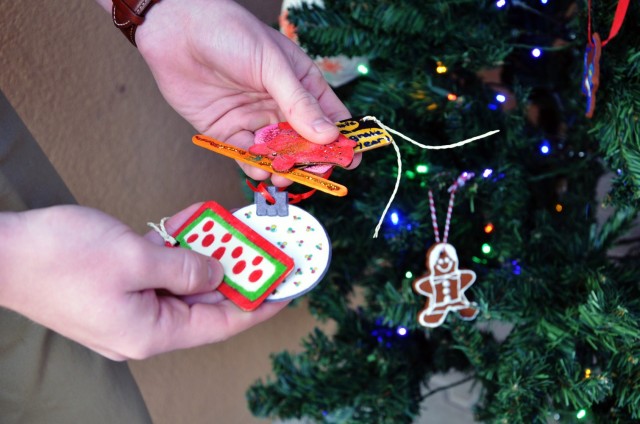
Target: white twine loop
[
  {"x": 423, "y": 146},
  {"x": 162, "y": 230}
]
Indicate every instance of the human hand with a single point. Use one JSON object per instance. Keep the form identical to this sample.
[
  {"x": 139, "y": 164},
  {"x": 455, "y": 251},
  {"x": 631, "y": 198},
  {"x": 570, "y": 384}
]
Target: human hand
[
  {"x": 229, "y": 74},
  {"x": 94, "y": 280}
]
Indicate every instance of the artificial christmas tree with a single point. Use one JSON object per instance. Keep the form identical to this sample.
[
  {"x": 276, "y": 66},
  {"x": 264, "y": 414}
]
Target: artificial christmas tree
[{"x": 527, "y": 224}]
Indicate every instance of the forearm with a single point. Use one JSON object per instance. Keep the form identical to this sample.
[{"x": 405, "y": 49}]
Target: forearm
[{"x": 11, "y": 237}]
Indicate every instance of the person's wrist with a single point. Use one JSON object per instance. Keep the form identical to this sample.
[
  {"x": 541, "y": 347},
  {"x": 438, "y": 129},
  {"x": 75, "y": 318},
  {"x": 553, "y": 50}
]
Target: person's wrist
[
  {"x": 159, "y": 20},
  {"x": 128, "y": 15},
  {"x": 169, "y": 20}
]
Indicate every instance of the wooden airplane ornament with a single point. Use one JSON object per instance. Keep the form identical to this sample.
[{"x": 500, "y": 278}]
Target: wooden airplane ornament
[{"x": 280, "y": 150}]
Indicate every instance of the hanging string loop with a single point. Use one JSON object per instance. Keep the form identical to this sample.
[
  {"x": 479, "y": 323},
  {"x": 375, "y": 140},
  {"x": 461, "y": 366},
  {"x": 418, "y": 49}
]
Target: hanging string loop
[{"x": 458, "y": 182}]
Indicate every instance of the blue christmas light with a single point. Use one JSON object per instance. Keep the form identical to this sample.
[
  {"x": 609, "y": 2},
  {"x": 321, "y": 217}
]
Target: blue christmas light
[
  {"x": 388, "y": 334},
  {"x": 487, "y": 172},
  {"x": 516, "y": 267},
  {"x": 544, "y": 1},
  {"x": 536, "y": 52},
  {"x": 492, "y": 106},
  {"x": 501, "y": 98},
  {"x": 501, "y": 3},
  {"x": 545, "y": 147},
  {"x": 395, "y": 218}
]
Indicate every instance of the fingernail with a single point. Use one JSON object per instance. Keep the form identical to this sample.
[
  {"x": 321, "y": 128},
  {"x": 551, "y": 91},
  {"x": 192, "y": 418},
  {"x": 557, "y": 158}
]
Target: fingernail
[
  {"x": 216, "y": 273},
  {"x": 323, "y": 125}
]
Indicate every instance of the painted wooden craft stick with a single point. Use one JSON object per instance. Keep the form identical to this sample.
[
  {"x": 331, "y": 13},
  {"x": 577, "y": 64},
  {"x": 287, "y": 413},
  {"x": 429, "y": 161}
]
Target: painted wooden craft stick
[{"x": 297, "y": 175}]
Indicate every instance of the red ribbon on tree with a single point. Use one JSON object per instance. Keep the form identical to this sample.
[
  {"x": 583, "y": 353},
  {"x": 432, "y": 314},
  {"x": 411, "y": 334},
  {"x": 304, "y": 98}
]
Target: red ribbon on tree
[
  {"x": 618, "y": 19},
  {"x": 591, "y": 74}
]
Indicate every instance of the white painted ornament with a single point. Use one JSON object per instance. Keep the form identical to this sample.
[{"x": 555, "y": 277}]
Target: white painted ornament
[
  {"x": 337, "y": 70},
  {"x": 300, "y": 236}
]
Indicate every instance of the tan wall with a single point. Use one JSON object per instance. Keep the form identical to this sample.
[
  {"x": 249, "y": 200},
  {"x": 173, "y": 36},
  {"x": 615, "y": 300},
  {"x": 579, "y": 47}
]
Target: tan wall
[{"x": 89, "y": 100}]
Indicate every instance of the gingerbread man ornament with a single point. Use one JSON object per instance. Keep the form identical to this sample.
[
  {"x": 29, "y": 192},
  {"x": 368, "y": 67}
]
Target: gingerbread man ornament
[{"x": 444, "y": 286}]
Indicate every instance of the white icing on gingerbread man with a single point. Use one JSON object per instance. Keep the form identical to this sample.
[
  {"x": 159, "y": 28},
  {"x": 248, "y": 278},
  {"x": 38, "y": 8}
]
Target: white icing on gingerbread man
[{"x": 444, "y": 285}]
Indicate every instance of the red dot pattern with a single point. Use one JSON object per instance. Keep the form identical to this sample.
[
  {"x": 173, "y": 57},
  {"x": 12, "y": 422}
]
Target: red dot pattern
[
  {"x": 208, "y": 240},
  {"x": 219, "y": 253},
  {"x": 237, "y": 252},
  {"x": 255, "y": 275},
  {"x": 208, "y": 226},
  {"x": 239, "y": 267}
]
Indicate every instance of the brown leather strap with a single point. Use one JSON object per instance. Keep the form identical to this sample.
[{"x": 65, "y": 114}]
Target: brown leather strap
[{"x": 128, "y": 14}]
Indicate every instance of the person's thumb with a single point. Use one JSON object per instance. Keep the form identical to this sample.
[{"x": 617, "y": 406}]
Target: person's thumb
[
  {"x": 302, "y": 108},
  {"x": 182, "y": 271}
]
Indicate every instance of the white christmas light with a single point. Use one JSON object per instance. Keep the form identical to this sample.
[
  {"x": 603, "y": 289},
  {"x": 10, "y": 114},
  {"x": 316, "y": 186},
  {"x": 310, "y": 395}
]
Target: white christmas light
[{"x": 363, "y": 69}]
